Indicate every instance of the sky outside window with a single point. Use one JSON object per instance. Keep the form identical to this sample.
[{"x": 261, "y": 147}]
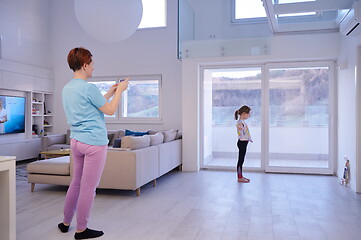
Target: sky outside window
[
  {"x": 249, "y": 9},
  {"x": 154, "y": 14}
]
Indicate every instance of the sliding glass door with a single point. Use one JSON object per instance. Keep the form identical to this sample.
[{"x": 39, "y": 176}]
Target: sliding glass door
[
  {"x": 291, "y": 121},
  {"x": 225, "y": 90},
  {"x": 299, "y": 117}
]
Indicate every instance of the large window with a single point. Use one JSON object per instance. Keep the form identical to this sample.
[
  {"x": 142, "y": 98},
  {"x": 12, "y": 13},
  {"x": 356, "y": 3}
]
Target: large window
[
  {"x": 224, "y": 91},
  {"x": 299, "y": 118},
  {"x": 248, "y": 10},
  {"x": 140, "y": 102},
  {"x": 154, "y": 14},
  {"x": 299, "y": 97},
  {"x": 292, "y": 118}
]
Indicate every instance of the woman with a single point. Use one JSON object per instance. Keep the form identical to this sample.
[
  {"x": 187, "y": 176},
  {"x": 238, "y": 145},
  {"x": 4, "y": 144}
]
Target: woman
[
  {"x": 85, "y": 107},
  {"x": 3, "y": 117}
]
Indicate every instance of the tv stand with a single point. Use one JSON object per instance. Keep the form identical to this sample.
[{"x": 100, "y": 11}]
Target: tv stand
[{"x": 22, "y": 149}]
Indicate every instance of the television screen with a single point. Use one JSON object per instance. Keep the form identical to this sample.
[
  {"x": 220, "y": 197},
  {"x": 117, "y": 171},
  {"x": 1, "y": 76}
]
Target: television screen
[{"x": 12, "y": 114}]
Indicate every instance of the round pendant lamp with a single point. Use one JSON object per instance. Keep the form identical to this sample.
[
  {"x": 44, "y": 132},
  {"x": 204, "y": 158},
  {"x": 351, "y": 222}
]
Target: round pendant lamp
[{"x": 109, "y": 20}]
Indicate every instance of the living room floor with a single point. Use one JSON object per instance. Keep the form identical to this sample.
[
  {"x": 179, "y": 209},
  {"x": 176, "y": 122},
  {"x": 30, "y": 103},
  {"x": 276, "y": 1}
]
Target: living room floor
[{"x": 204, "y": 205}]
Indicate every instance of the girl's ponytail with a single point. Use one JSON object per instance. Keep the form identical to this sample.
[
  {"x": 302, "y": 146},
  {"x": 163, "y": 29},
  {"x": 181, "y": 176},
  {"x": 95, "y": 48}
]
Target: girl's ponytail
[{"x": 236, "y": 115}]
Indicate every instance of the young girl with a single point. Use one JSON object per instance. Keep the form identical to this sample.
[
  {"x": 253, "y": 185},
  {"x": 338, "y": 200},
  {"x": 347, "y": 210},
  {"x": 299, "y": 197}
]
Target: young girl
[{"x": 244, "y": 137}]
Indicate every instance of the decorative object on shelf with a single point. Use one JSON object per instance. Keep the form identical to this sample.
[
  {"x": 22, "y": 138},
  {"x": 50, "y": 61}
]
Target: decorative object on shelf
[
  {"x": 41, "y": 132},
  {"x": 41, "y": 102},
  {"x": 35, "y": 129},
  {"x": 109, "y": 20}
]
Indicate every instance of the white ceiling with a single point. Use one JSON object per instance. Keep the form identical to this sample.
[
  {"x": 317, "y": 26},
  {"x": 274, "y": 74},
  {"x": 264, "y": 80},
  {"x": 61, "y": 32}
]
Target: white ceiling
[{"x": 327, "y": 18}]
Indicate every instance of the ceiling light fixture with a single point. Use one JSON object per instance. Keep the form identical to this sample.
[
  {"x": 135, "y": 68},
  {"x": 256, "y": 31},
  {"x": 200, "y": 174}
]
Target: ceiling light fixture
[{"x": 109, "y": 20}]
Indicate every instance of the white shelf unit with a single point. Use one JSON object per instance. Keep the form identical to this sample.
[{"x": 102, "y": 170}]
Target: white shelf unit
[{"x": 41, "y": 112}]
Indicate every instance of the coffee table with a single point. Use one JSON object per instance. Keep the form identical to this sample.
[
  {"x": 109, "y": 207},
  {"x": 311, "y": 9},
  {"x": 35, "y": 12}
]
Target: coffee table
[{"x": 55, "y": 153}]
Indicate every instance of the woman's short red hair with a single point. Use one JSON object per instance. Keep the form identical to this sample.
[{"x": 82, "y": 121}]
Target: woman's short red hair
[{"x": 77, "y": 57}]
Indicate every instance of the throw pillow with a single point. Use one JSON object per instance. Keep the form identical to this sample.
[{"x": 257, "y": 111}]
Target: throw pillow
[
  {"x": 156, "y": 139},
  {"x": 152, "y": 132},
  {"x": 67, "y": 137},
  {"x": 179, "y": 135},
  {"x": 169, "y": 135},
  {"x": 121, "y": 133},
  {"x": 133, "y": 133},
  {"x": 134, "y": 142},
  {"x": 111, "y": 137},
  {"x": 117, "y": 143}
]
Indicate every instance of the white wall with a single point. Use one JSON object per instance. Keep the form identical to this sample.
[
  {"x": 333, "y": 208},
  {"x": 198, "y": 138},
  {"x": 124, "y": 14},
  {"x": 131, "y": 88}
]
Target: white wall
[
  {"x": 148, "y": 51},
  {"x": 25, "y": 59},
  {"x": 25, "y": 31},
  {"x": 286, "y": 47},
  {"x": 213, "y": 17},
  {"x": 347, "y": 106}
]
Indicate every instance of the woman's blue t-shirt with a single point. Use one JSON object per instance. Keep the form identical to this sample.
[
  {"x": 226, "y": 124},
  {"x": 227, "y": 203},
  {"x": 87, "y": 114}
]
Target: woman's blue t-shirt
[{"x": 81, "y": 102}]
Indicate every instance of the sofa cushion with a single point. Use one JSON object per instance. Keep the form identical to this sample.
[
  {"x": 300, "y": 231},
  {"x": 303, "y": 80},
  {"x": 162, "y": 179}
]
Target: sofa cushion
[
  {"x": 53, "y": 166},
  {"x": 169, "y": 135},
  {"x": 134, "y": 142},
  {"x": 156, "y": 139},
  {"x": 133, "y": 133}
]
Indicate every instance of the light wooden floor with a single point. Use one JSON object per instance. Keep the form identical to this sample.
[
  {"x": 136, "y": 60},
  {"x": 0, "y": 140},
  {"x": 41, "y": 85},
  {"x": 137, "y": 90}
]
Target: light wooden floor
[
  {"x": 204, "y": 205},
  {"x": 256, "y": 163}
]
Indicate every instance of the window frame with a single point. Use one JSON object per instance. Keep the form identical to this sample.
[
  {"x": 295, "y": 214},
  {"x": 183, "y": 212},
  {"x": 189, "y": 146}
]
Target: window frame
[{"x": 119, "y": 118}]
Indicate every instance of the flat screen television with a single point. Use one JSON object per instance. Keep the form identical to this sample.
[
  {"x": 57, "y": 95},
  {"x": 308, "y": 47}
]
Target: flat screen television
[{"x": 12, "y": 114}]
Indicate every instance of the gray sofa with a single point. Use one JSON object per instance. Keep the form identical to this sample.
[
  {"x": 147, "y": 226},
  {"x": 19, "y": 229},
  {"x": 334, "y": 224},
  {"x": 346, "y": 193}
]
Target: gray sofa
[
  {"x": 140, "y": 160},
  {"x": 55, "y": 142},
  {"x": 59, "y": 141}
]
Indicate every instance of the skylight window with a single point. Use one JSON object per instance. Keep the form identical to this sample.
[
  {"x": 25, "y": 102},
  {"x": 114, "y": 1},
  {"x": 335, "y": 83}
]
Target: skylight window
[
  {"x": 154, "y": 14},
  {"x": 297, "y": 14},
  {"x": 292, "y": 1},
  {"x": 246, "y": 9}
]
